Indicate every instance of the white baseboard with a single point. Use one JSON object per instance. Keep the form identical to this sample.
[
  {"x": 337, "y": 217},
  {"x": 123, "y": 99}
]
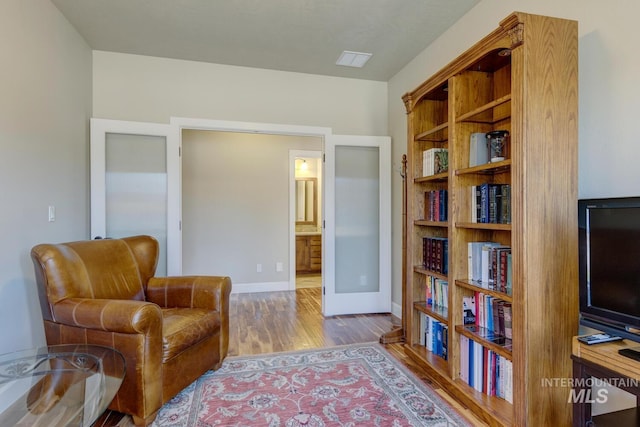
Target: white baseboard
[
  {"x": 244, "y": 288},
  {"x": 396, "y": 310}
]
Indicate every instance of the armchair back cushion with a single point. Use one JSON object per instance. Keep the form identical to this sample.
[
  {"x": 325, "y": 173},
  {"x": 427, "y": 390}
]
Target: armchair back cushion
[
  {"x": 170, "y": 329},
  {"x": 109, "y": 270}
]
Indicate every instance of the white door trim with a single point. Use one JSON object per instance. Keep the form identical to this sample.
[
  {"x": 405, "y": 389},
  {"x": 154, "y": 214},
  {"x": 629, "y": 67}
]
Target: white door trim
[
  {"x": 99, "y": 130},
  {"x": 250, "y": 127},
  {"x": 180, "y": 123},
  {"x": 292, "y": 211}
]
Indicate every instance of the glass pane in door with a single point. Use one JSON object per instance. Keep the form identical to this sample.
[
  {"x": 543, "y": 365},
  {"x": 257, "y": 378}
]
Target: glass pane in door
[
  {"x": 357, "y": 219},
  {"x": 136, "y": 189}
]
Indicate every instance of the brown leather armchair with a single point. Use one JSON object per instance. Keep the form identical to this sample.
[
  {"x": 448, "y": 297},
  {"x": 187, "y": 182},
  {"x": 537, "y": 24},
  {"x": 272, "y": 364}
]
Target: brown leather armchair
[{"x": 170, "y": 329}]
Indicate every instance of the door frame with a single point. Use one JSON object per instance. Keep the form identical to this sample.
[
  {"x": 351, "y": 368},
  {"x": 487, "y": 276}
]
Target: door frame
[
  {"x": 99, "y": 128},
  {"x": 292, "y": 211},
  {"x": 181, "y": 123}
]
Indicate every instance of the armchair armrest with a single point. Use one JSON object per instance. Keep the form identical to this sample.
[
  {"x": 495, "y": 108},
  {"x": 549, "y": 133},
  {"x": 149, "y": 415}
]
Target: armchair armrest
[
  {"x": 208, "y": 292},
  {"x": 123, "y": 316}
]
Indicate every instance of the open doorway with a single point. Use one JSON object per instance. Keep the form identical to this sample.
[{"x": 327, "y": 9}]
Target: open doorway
[
  {"x": 306, "y": 217},
  {"x": 236, "y": 206}
]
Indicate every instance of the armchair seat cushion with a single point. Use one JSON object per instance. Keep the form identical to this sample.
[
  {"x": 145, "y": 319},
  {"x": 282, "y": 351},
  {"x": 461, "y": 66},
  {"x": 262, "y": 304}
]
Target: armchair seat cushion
[{"x": 184, "y": 327}]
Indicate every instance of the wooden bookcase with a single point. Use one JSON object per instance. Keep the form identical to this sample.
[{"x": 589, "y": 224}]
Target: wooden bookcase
[{"x": 522, "y": 78}]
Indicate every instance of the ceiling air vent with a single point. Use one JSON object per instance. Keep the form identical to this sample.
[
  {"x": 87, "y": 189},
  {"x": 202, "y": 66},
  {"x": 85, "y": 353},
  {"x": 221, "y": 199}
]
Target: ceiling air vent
[{"x": 353, "y": 59}]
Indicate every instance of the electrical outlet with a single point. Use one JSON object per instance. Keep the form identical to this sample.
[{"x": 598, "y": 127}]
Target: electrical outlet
[
  {"x": 279, "y": 266},
  {"x": 52, "y": 213},
  {"x": 259, "y": 268}
]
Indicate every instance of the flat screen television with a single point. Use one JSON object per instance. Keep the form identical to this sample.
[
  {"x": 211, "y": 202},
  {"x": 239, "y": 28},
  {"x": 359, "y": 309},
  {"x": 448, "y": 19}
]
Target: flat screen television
[{"x": 609, "y": 275}]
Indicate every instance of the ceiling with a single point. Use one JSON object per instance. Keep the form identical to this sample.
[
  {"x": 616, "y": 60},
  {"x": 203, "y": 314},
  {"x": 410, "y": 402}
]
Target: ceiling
[{"x": 304, "y": 36}]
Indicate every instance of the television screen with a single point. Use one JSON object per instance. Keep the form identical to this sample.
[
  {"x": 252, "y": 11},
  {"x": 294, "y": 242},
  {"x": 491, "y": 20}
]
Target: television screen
[
  {"x": 614, "y": 257},
  {"x": 610, "y": 262}
]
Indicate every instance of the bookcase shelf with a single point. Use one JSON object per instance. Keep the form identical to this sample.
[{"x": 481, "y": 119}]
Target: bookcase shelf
[
  {"x": 497, "y": 294},
  {"x": 426, "y": 223},
  {"x": 499, "y": 345},
  {"x": 439, "y": 177},
  {"x": 500, "y": 409},
  {"x": 486, "y": 169},
  {"x": 436, "y": 134},
  {"x": 483, "y": 226},
  {"x": 422, "y": 270},
  {"x": 438, "y": 313},
  {"x": 504, "y": 82},
  {"x": 486, "y": 113},
  {"x": 434, "y": 363}
]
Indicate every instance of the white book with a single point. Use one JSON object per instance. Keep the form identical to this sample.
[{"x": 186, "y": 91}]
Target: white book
[
  {"x": 478, "y": 152},
  {"x": 478, "y": 360},
  {"x": 429, "y": 159},
  {"x": 474, "y": 205},
  {"x": 509, "y": 382},
  {"x": 474, "y": 254},
  {"x": 464, "y": 359},
  {"x": 486, "y": 252}
]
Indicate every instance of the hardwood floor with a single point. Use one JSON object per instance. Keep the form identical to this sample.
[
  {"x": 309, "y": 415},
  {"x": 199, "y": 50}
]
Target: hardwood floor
[
  {"x": 308, "y": 281},
  {"x": 272, "y": 322}
]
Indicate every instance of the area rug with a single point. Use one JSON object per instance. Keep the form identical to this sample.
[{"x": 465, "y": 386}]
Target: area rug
[{"x": 354, "y": 385}]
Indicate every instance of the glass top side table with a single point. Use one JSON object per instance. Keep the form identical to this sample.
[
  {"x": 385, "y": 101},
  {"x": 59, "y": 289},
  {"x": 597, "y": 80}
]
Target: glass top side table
[{"x": 59, "y": 385}]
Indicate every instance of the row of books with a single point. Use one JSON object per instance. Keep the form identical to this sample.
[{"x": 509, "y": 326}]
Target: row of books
[
  {"x": 491, "y": 203},
  {"x": 437, "y": 292},
  {"x": 489, "y": 266},
  {"x": 435, "y": 254},
  {"x": 485, "y": 370},
  {"x": 434, "y": 335},
  {"x": 434, "y": 161},
  {"x": 436, "y": 205},
  {"x": 491, "y": 314}
]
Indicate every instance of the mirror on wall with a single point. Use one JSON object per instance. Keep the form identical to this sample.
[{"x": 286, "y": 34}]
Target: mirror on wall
[{"x": 306, "y": 201}]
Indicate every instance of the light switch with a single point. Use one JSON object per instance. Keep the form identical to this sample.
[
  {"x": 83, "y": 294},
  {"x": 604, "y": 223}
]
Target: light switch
[{"x": 52, "y": 213}]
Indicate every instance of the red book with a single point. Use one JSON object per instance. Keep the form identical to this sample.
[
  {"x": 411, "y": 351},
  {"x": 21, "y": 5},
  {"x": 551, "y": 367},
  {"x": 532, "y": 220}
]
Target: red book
[{"x": 485, "y": 370}]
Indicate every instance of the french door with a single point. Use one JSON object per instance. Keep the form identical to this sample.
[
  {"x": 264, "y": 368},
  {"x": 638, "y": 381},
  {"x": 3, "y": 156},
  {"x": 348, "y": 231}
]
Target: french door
[
  {"x": 135, "y": 189},
  {"x": 357, "y": 277},
  {"x": 135, "y": 185}
]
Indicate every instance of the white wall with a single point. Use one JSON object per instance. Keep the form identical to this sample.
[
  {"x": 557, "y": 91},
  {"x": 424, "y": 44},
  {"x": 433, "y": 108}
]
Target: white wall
[
  {"x": 45, "y": 104},
  {"x": 143, "y": 88},
  {"x": 609, "y": 93},
  {"x": 235, "y": 210}
]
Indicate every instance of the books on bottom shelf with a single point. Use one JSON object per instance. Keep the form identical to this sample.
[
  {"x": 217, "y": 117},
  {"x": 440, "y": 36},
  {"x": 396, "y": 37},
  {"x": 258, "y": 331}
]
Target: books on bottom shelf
[
  {"x": 489, "y": 266},
  {"x": 485, "y": 370},
  {"x": 434, "y": 335}
]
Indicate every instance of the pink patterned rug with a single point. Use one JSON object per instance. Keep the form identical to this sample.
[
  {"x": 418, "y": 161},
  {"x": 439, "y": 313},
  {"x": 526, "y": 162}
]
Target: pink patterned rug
[{"x": 351, "y": 385}]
